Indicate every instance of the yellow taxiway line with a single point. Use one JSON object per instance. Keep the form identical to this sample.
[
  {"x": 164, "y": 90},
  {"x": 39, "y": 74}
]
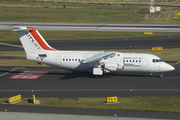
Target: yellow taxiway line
[
  {"x": 11, "y": 45},
  {"x": 7, "y": 72}
]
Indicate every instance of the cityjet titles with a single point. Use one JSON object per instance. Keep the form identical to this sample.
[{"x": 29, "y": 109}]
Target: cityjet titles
[{"x": 32, "y": 40}]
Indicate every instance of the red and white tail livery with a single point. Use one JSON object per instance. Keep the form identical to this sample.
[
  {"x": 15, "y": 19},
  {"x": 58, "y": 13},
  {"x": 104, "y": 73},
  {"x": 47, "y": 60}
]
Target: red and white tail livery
[
  {"x": 32, "y": 40},
  {"x": 37, "y": 49}
]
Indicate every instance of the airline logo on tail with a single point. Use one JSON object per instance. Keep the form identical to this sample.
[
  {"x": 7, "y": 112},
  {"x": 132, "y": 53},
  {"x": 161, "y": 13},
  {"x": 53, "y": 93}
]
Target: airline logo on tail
[
  {"x": 32, "y": 40},
  {"x": 38, "y": 38}
]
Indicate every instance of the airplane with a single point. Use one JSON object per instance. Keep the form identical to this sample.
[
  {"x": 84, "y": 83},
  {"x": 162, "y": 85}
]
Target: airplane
[{"x": 97, "y": 62}]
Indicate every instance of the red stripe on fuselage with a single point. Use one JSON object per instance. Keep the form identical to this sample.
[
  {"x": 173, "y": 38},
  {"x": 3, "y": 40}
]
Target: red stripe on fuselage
[{"x": 38, "y": 39}]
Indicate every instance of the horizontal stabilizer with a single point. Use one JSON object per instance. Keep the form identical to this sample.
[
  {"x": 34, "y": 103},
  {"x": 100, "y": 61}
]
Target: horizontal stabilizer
[{"x": 19, "y": 29}]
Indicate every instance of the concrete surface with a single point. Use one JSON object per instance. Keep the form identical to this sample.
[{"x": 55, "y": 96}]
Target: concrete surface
[
  {"x": 43, "y": 116},
  {"x": 95, "y": 27}
]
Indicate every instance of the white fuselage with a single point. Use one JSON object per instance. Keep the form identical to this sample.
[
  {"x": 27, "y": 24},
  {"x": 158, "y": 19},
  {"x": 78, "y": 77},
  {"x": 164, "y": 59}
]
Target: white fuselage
[
  {"x": 130, "y": 62},
  {"x": 37, "y": 49}
]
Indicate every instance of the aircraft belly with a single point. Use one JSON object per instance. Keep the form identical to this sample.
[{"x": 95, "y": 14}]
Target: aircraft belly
[
  {"x": 139, "y": 68},
  {"x": 132, "y": 67},
  {"x": 76, "y": 67}
]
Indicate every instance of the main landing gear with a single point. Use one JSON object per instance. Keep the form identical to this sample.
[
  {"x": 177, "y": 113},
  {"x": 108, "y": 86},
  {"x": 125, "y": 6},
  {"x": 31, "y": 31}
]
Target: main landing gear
[{"x": 160, "y": 75}]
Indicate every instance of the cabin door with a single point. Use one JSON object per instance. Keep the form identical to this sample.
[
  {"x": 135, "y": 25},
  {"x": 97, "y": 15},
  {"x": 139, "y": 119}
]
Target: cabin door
[
  {"x": 58, "y": 60},
  {"x": 145, "y": 62}
]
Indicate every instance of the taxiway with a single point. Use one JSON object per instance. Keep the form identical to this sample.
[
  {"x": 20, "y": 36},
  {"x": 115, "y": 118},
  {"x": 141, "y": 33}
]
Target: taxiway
[
  {"x": 66, "y": 84},
  {"x": 95, "y": 27},
  {"x": 104, "y": 44}
]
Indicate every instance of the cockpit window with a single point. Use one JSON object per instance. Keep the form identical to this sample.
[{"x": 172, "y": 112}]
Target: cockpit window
[
  {"x": 161, "y": 60},
  {"x": 157, "y": 60}
]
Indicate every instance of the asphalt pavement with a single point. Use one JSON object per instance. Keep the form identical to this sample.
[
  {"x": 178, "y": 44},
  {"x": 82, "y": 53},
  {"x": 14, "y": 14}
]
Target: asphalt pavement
[
  {"x": 67, "y": 84},
  {"x": 26, "y": 112},
  {"x": 104, "y": 44}
]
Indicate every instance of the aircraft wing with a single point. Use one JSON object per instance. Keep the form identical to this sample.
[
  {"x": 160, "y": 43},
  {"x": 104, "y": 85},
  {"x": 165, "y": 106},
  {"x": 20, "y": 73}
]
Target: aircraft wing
[{"x": 99, "y": 57}]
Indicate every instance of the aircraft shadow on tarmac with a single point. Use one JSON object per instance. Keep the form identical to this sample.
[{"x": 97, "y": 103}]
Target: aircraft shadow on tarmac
[
  {"x": 67, "y": 75},
  {"x": 72, "y": 75}
]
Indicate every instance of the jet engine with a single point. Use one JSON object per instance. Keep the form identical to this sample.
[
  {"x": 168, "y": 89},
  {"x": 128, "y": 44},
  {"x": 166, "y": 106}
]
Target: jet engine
[{"x": 113, "y": 66}]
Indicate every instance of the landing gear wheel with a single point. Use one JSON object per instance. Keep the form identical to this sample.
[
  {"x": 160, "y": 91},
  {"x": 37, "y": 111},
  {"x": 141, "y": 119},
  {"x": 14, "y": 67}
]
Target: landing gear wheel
[{"x": 161, "y": 75}]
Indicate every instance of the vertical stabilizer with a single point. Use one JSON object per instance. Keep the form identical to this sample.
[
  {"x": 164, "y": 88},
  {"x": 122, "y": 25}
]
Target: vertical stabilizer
[{"x": 32, "y": 40}]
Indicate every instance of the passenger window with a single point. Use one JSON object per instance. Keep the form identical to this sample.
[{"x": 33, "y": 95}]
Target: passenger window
[
  {"x": 123, "y": 61},
  {"x": 63, "y": 59},
  {"x": 129, "y": 60},
  {"x": 66, "y": 59},
  {"x": 126, "y": 60},
  {"x": 75, "y": 59},
  {"x": 136, "y": 60},
  {"x": 72, "y": 59},
  {"x": 79, "y": 59},
  {"x": 133, "y": 60},
  {"x": 69, "y": 59},
  {"x": 139, "y": 60}
]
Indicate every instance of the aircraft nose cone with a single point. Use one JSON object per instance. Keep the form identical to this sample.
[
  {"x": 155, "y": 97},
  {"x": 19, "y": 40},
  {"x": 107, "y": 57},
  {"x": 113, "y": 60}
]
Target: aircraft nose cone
[
  {"x": 166, "y": 67},
  {"x": 171, "y": 68}
]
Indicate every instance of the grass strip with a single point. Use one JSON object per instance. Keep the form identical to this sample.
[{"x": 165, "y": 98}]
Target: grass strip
[
  {"x": 7, "y": 35},
  {"x": 115, "y": 1},
  {"x": 13, "y": 53},
  {"x": 55, "y": 12},
  {"x": 152, "y": 104},
  {"x": 165, "y": 54},
  {"x": 24, "y": 63}
]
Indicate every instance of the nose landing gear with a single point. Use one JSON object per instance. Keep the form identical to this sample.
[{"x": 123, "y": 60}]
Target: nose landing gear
[{"x": 161, "y": 75}]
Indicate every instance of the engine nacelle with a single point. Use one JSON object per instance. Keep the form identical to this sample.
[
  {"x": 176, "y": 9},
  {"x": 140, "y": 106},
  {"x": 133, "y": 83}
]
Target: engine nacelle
[
  {"x": 114, "y": 66},
  {"x": 120, "y": 66}
]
